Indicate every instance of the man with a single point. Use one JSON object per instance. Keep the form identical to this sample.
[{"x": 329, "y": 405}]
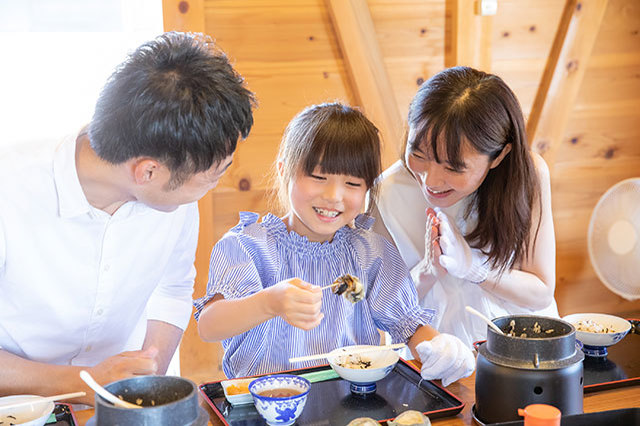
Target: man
[{"x": 98, "y": 235}]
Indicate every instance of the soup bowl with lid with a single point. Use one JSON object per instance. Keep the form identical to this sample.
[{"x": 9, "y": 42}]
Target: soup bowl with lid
[{"x": 280, "y": 398}]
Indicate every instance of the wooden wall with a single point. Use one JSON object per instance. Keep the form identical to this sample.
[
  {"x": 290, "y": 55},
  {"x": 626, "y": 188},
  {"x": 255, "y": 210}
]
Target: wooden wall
[{"x": 290, "y": 57}]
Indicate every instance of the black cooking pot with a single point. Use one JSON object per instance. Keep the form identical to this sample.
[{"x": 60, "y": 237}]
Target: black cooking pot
[
  {"x": 536, "y": 362},
  {"x": 166, "y": 401}
]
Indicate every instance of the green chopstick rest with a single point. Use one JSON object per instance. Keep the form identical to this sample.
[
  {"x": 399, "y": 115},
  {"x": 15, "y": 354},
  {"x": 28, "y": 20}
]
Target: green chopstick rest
[{"x": 320, "y": 376}]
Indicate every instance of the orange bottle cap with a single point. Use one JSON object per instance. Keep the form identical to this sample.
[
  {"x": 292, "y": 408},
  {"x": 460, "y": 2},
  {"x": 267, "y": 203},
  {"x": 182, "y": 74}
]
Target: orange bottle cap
[{"x": 540, "y": 415}]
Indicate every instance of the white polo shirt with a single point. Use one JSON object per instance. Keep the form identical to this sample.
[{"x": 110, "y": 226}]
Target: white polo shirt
[{"x": 76, "y": 284}]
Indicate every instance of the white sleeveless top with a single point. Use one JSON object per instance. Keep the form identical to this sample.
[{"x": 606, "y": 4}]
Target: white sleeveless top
[{"x": 402, "y": 208}]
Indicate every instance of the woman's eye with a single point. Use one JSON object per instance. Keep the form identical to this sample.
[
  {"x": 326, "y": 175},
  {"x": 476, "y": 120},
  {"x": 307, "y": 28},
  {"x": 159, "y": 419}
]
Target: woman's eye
[
  {"x": 452, "y": 170},
  {"x": 417, "y": 155}
]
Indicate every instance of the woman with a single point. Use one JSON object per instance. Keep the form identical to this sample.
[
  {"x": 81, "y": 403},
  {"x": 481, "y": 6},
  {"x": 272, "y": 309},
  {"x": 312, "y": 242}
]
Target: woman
[{"x": 469, "y": 205}]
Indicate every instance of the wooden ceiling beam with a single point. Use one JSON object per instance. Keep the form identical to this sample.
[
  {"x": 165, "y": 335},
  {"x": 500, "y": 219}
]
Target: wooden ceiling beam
[
  {"x": 367, "y": 73},
  {"x": 563, "y": 75},
  {"x": 468, "y": 35}
]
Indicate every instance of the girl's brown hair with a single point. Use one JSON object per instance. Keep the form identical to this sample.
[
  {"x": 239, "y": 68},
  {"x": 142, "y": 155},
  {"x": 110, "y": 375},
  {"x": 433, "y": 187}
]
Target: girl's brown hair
[
  {"x": 337, "y": 138},
  {"x": 463, "y": 104}
]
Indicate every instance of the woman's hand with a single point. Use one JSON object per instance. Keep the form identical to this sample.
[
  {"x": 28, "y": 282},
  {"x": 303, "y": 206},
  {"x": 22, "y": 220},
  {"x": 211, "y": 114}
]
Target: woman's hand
[
  {"x": 297, "y": 302},
  {"x": 428, "y": 270},
  {"x": 458, "y": 258},
  {"x": 445, "y": 357}
]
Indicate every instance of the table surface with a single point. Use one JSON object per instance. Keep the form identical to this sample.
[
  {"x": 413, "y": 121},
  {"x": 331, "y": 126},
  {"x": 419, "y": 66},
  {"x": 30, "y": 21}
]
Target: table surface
[{"x": 464, "y": 389}]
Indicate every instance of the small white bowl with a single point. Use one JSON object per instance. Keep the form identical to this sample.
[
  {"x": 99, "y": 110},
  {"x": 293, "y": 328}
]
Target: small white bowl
[
  {"x": 363, "y": 379},
  {"x": 35, "y": 414},
  {"x": 280, "y": 411},
  {"x": 239, "y": 398},
  {"x": 595, "y": 344}
]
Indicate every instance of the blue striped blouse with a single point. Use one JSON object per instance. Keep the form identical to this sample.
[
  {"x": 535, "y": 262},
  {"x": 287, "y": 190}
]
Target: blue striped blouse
[{"x": 255, "y": 255}]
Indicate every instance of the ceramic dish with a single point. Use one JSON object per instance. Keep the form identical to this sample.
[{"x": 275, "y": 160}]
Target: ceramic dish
[
  {"x": 232, "y": 386},
  {"x": 607, "y": 330},
  {"x": 280, "y": 398},
  {"x": 376, "y": 365},
  {"x": 35, "y": 414}
]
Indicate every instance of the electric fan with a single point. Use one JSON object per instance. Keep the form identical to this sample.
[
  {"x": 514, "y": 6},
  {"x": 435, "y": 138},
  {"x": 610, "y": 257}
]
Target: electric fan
[{"x": 614, "y": 238}]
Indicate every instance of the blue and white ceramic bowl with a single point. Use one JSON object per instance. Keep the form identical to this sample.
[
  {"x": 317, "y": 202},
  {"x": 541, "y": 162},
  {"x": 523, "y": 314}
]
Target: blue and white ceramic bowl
[
  {"x": 280, "y": 411},
  {"x": 605, "y": 330}
]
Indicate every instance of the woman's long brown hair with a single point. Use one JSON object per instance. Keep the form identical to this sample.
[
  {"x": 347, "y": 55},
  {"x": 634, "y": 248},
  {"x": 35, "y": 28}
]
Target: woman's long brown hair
[{"x": 463, "y": 104}]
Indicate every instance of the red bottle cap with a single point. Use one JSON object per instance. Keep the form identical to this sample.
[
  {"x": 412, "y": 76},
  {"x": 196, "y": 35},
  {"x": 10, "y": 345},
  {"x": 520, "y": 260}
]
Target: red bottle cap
[{"x": 540, "y": 415}]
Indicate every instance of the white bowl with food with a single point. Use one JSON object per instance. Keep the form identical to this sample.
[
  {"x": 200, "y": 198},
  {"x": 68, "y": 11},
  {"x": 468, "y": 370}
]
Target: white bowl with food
[
  {"x": 363, "y": 369},
  {"x": 237, "y": 391},
  {"x": 34, "y": 414},
  {"x": 598, "y": 331}
]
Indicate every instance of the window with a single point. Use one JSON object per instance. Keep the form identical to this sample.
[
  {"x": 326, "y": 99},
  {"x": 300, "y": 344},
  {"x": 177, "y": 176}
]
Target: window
[{"x": 57, "y": 55}]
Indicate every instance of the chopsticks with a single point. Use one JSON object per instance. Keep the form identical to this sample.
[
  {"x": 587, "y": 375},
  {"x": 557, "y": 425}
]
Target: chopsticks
[
  {"x": 347, "y": 352},
  {"x": 44, "y": 399}
]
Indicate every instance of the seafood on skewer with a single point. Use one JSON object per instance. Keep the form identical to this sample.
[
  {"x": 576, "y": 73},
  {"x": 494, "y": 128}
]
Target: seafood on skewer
[{"x": 348, "y": 286}]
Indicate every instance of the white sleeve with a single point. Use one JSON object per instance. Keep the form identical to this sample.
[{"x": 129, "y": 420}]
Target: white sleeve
[
  {"x": 3, "y": 246},
  {"x": 402, "y": 209},
  {"x": 171, "y": 300}
]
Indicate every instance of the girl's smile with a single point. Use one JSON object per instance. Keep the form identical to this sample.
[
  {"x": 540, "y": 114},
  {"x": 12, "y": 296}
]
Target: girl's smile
[{"x": 326, "y": 214}]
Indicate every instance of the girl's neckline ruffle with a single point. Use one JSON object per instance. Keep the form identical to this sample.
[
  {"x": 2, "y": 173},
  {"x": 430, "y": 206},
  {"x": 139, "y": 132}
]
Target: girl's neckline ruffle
[{"x": 300, "y": 244}]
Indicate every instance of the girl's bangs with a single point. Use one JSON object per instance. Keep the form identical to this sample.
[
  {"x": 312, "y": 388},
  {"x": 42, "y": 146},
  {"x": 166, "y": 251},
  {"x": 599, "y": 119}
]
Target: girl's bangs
[{"x": 344, "y": 155}]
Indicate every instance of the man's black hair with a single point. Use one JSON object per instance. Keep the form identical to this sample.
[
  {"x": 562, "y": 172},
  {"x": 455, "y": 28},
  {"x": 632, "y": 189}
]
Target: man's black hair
[{"x": 176, "y": 99}]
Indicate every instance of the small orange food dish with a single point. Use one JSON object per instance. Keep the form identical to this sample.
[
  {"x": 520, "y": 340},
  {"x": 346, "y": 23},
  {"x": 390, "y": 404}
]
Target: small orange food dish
[{"x": 237, "y": 391}]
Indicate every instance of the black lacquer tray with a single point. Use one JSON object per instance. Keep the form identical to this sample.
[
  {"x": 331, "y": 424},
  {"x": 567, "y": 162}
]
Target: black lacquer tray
[
  {"x": 623, "y": 417},
  {"x": 621, "y": 367},
  {"x": 64, "y": 416},
  {"x": 332, "y": 403}
]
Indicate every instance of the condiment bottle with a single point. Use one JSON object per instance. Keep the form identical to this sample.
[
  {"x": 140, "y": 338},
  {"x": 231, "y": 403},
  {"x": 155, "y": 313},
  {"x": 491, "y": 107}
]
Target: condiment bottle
[{"x": 540, "y": 415}]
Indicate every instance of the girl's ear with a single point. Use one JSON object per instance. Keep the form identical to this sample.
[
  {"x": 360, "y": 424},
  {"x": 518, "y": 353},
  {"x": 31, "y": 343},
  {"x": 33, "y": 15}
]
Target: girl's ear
[
  {"x": 145, "y": 170},
  {"x": 499, "y": 158}
]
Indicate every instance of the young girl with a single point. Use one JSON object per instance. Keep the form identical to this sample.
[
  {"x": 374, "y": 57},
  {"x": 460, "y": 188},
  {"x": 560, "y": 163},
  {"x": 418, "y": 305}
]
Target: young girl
[
  {"x": 264, "y": 297},
  {"x": 486, "y": 239}
]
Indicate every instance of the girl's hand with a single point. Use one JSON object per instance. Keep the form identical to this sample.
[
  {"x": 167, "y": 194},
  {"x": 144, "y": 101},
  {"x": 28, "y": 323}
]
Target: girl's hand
[
  {"x": 297, "y": 302},
  {"x": 458, "y": 258}
]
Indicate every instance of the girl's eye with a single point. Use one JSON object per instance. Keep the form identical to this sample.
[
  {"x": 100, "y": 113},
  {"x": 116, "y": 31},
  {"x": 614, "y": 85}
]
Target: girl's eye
[
  {"x": 317, "y": 177},
  {"x": 354, "y": 184}
]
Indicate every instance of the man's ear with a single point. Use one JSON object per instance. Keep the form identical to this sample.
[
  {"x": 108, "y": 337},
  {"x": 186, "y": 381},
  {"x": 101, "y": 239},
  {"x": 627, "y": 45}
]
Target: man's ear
[
  {"x": 499, "y": 158},
  {"x": 145, "y": 170}
]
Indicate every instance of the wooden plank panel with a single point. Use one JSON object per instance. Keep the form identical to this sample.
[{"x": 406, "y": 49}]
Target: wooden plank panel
[
  {"x": 579, "y": 184},
  {"x": 368, "y": 76},
  {"x": 563, "y": 74},
  {"x": 621, "y": 32},
  {"x": 409, "y": 30},
  {"x": 181, "y": 15},
  {"x": 524, "y": 30},
  {"x": 270, "y": 32}
]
